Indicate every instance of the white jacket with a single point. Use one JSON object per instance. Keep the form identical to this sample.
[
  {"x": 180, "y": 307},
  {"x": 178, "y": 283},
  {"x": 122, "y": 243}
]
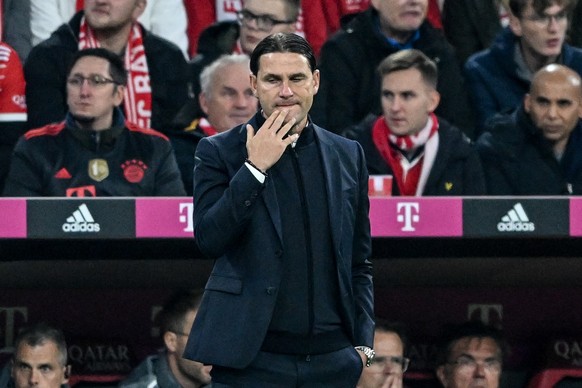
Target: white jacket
[{"x": 165, "y": 18}]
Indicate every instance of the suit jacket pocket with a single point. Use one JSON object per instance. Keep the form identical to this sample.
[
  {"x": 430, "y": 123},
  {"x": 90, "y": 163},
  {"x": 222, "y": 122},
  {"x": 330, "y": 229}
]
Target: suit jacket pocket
[{"x": 228, "y": 284}]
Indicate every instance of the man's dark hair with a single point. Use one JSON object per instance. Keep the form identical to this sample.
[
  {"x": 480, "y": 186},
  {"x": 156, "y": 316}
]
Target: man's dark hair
[
  {"x": 292, "y": 8},
  {"x": 410, "y": 59},
  {"x": 117, "y": 70},
  {"x": 39, "y": 334},
  {"x": 282, "y": 43},
  {"x": 173, "y": 314},
  {"x": 398, "y": 328},
  {"x": 518, "y": 6},
  {"x": 470, "y": 329}
]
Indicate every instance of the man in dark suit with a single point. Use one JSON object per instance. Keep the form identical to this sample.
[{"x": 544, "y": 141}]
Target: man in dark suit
[{"x": 282, "y": 206}]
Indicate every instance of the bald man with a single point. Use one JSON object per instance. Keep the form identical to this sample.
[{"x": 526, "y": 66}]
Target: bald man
[{"x": 537, "y": 150}]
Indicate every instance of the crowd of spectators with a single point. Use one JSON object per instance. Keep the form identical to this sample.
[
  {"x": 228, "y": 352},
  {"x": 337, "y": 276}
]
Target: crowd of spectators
[{"x": 486, "y": 54}]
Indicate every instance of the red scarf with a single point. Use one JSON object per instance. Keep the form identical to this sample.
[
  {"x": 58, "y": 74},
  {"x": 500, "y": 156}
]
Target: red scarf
[
  {"x": 138, "y": 93},
  {"x": 204, "y": 126},
  {"x": 79, "y": 5},
  {"x": 391, "y": 147}
]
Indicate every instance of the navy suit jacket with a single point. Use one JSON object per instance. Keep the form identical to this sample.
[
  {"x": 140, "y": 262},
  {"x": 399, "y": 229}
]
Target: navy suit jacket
[{"x": 237, "y": 221}]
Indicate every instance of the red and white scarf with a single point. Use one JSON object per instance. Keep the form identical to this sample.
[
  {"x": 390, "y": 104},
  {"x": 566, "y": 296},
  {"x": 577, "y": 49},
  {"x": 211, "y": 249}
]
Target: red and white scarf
[
  {"x": 410, "y": 175},
  {"x": 138, "y": 93},
  {"x": 204, "y": 126}
]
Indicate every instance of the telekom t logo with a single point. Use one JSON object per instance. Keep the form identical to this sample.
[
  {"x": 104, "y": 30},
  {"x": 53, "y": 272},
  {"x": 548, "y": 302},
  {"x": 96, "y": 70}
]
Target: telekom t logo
[
  {"x": 186, "y": 216},
  {"x": 408, "y": 213}
]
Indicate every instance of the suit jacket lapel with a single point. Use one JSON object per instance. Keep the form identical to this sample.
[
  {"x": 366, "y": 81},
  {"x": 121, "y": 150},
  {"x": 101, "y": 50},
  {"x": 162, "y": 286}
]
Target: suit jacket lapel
[{"x": 332, "y": 171}]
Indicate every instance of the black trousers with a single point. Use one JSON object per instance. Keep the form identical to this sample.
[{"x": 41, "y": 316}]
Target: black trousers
[{"x": 338, "y": 369}]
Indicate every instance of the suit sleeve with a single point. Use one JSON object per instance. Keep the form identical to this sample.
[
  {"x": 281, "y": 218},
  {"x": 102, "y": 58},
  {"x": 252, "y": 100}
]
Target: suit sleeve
[
  {"x": 224, "y": 199},
  {"x": 361, "y": 264}
]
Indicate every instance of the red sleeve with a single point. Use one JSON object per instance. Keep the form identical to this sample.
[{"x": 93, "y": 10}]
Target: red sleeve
[
  {"x": 201, "y": 14},
  {"x": 12, "y": 85}
]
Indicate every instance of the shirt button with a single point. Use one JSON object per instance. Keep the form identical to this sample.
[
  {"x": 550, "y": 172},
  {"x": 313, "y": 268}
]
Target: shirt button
[
  {"x": 248, "y": 203},
  {"x": 270, "y": 290}
]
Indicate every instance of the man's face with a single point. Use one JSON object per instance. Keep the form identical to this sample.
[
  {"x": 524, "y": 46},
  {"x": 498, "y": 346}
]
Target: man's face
[
  {"x": 542, "y": 36},
  {"x": 190, "y": 370},
  {"x": 472, "y": 363},
  {"x": 285, "y": 82},
  {"x": 38, "y": 366},
  {"x": 250, "y": 31},
  {"x": 89, "y": 103},
  {"x": 407, "y": 101},
  {"x": 386, "y": 370},
  {"x": 555, "y": 106},
  {"x": 400, "y": 18},
  {"x": 230, "y": 101},
  {"x": 112, "y": 14}
]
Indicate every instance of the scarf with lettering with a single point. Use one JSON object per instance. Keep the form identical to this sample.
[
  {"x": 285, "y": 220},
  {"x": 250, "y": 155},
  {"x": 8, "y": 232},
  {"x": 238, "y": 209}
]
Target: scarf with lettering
[
  {"x": 138, "y": 95},
  {"x": 410, "y": 175}
]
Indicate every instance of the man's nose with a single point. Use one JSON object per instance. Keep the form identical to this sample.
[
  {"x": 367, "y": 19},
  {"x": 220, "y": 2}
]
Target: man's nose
[{"x": 285, "y": 89}]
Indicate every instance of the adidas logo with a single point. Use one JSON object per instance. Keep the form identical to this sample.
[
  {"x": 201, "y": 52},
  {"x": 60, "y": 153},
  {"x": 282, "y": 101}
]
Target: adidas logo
[
  {"x": 516, "y": 220},
  {"x": 81, "y": 221}
]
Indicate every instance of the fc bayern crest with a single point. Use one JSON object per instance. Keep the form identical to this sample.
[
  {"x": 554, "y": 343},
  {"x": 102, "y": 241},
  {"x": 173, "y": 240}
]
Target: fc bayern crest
[
  {"x": 98, "y": 169},
  {"x": 134, "y": 170}
]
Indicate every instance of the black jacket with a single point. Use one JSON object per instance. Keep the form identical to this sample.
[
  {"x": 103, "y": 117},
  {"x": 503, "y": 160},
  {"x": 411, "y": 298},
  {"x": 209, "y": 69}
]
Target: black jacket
[
  {"x": 61, "y": 160},
  {"x": 518, "y": 160},
  {"x": 456, "y": 169},
  {"x": 48, "y": 62},
  {"x": 350, "y": 85}
]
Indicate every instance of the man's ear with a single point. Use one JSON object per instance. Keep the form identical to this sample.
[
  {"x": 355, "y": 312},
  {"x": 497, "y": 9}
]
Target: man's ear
[
  {"x": 253, "y": 80},
  {"x": 515, "y": 25},
  {"x": 527, "y": 103},
  {"x": 67, "y": 373},
  {"x": 203, "y": 102},
  {"x": 440, "y": 372},
  {"x": 170, "y": 340},
  {"x": 435, "y": 99},
  {"x": 118, "y": 94}
]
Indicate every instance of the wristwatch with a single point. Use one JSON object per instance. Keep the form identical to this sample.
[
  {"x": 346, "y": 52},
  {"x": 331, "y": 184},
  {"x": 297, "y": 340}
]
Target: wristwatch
[{"x": 368, "y": 352}]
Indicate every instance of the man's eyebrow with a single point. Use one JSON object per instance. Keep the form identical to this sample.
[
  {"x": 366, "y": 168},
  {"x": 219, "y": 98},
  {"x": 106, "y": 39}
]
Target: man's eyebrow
[{"x": 21, "y": 363}]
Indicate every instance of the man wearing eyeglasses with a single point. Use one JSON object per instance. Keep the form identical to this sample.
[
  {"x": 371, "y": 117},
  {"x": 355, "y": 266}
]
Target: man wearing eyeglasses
[
  {"x": 389, "y": 364},
  {"x": 95, "y": 151},
  {"x": 471, "y": 355},
  {"x": 499, "y": 77},
  {"x": 255, "y": 21}
]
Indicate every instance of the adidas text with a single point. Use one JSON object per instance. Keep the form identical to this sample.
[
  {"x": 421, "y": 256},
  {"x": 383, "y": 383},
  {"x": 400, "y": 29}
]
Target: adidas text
[
  {"x": 81, "y": 222},
  {"x": 83, "y": 227},
  {"x": 516, "y": 227}
]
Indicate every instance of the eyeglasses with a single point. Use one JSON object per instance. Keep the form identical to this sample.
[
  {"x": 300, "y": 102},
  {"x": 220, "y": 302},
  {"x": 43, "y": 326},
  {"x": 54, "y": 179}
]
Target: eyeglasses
[
  {"x": 381, "y": 362},
  {"x": 467, "y": 364},
  {"x": 264, "y": 22},
  {"x": 545, "y": 20},
  {"x": 95, "y": 81}
]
